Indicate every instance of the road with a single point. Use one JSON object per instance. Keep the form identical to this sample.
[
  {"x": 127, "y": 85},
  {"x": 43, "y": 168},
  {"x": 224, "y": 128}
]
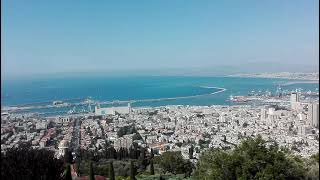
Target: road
[{"x": 75, "y": 141}]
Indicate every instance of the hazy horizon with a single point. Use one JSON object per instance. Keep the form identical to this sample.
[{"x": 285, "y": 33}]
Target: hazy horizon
[{"x": 159, "y": 37}]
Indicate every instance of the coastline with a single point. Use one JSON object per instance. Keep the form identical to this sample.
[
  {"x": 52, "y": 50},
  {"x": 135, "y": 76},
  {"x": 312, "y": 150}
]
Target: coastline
[
  {"x": 220, "y": 90},
  {"x": 18, "y": 107},
  {"x": 281, "y": 75},
  {"x": 301, "y": 82}
]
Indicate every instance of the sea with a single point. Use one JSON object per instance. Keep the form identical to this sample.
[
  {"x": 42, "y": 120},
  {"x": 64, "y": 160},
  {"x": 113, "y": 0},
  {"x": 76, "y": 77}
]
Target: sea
[{"x": 182, "y": 90}]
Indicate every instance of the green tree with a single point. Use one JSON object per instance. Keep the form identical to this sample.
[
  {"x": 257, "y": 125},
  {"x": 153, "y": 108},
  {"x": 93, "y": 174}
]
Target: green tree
[
  {"x": 68, "y": 158},
  {"x": 68, "y": 172},
  {"x": 313, "y": 167},
  {"x": 191, "y": 152},
  {"x": 252, "y": 159},
  {"x": 30, "y": 163},
  {"x": 161, "y": 177},
  {"x": 151, "y": 168},
  {"x": 132, "y": 171},
  {"x": 78, "y": 167},
  {"x": 111, "y": 171},
  {"x": 315, "y": 157},
  {"x": 136, "y": 137},
  {"x": 172, "y": 162},
  {"x": 91, "y": 173},
  {"x": 143, "y": 162},
  {"x": 151, "y": 153}
]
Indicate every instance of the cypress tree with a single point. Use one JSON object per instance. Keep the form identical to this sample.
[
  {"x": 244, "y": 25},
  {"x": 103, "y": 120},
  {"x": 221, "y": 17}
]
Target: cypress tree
[
  {"x": 151, "y": 154},
  {"x": 126, "y": 153},
  {"x": 142, "y": 159},
  {"x": 161, "y": 178},
  {"x": 143, "y": 154},
  {"x": 68, "y": 157},
  {"x": 151, "y": 168},
  {"x": 114, "y": 152},
  {"x": 78, "y": 168},
  {"x": 111, "y": 171},
  {"x": 68, "y": 172},
  {"x": 132, "y": 171},
  {"x": 91, "y": 173},
  {"x": 118, "y": 154},
  {"x": 137, "y": 153},
  {"x": 191, "y": 152}
]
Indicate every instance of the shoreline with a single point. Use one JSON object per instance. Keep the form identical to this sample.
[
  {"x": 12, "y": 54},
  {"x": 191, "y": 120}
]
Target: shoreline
[
  {"x": 301, "y": 82},
  {"x": 220, "y": 90},
  {"x": 277, "y": 76},
  {"x": 175, "y": 98}
]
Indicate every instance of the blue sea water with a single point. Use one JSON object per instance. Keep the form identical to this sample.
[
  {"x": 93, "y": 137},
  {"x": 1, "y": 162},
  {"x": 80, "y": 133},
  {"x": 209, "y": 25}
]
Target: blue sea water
[{"x": 109, "y": 88}]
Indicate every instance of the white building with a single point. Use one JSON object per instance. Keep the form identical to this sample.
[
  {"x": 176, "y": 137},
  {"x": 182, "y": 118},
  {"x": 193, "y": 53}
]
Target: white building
[
  {"x": 41, "y": 125},
  {"x": 294, "y": 101},
  {"x": 63, "y": 146},
  {"x": 315, "y": 115},
  {"x": 125, "y": 142},
  {"x": 263, "y": 115},
  {"x": 43, "y": 143},
  {"x": 112, "y": 110}
]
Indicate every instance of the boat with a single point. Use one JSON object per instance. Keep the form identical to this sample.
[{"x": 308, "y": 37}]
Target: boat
[
  {"x": 251, "y": 93},
  {"x": 4, "y": 114},
  {"x": 57, "y": 103},
  {"x": 88, "y": 101},
  {"x": 72, "y": 111}
]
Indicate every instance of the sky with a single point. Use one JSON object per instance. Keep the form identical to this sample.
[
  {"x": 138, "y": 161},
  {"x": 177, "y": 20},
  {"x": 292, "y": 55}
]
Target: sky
[{"x": 39, "y": 37}]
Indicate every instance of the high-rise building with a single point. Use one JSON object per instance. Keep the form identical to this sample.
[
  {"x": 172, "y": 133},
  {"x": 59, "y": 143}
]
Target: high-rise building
[
  {"x": 294, "y": 100},
  {"x": 129, "y": 107},
  {"x": 313, "y": 114},
  {"x": 302, "y": 129},
  {"x": 309, "y": 114},
  {"x": 294, "y": 97},
  {"x": 263, "y": 114}
]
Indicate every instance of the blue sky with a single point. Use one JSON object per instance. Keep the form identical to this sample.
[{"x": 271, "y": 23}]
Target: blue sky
[{"x": 81, "y": 35}]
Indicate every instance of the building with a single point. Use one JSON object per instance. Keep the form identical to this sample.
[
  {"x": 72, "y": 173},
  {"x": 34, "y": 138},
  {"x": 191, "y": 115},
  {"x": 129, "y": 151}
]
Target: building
[
  {"x": 125, "y": 142},
  {"x": 294, "y": 100},
  {"x": 315, "y": 115},
  {"x": 43, "y": 143},
  {"x": 302, "y": 129},
  {"x": 64, "y": 120},
  {"x": 99, "y": 111},
  {"x": 294, "y": 97},
  {"x": 63, "y": 147},
  {"x": 263, "y": 115},
  {"x": 41, "y": 125},
  {"x": 309, "y": 114}
]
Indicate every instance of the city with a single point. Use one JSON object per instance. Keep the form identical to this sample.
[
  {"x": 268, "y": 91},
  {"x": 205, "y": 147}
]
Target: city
[
  {"x": 169, "y": 128},
  {"x": 160, "y": 90}
]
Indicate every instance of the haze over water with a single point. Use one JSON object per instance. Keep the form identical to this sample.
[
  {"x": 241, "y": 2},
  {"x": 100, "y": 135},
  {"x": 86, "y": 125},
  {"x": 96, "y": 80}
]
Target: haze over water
[{"x": 181, "y": 37}]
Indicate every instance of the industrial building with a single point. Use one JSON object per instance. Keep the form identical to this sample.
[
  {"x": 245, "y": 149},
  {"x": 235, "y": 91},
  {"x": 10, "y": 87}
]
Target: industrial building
[{"x": 99, "y": 111}]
